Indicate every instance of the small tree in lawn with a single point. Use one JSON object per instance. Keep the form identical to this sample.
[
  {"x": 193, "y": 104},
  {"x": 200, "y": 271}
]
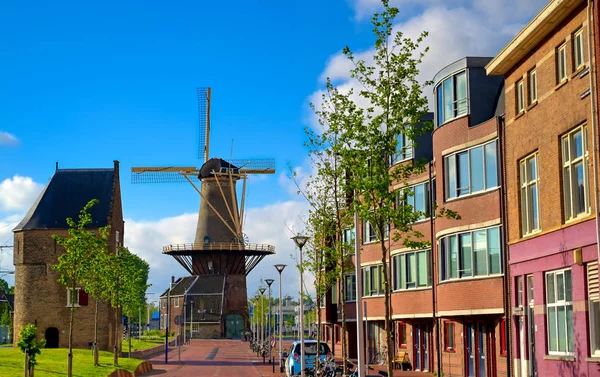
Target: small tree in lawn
[
  {"x": 74, "y": 263},
  {"x": 30, "y": 347}
]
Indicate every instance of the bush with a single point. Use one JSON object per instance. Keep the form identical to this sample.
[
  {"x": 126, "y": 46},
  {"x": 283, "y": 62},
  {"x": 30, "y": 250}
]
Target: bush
[{"x": 154, "y": 333}]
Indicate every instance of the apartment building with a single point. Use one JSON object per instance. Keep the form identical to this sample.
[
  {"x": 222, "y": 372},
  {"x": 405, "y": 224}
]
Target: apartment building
[
  {"x": 549, "y": 145},
  {"x": 459, "y": 282}
]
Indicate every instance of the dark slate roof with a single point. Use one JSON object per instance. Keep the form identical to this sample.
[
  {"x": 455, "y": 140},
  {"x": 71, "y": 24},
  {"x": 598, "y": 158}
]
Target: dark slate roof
[
  {"x": 6, "y": 298},
  {"x": 214, "y": 164},
  {"x": 500, "y": 103},
  {"x": 66, "y": 194},
  {"x": 207, "y": 284},
  {"x": 180, "y": 286}
]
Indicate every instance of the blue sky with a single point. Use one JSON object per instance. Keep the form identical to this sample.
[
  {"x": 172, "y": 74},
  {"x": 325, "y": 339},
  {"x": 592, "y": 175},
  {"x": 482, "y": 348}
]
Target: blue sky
[{"x": 84, "y": 83}]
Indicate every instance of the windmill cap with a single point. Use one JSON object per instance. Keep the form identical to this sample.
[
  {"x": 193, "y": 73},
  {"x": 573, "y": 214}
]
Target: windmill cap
[{"x": 214, "y": 164}]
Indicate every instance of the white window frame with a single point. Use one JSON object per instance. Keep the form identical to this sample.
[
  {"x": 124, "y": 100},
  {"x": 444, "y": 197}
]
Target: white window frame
[
  {"x": 349, "y": 238},
  {"x": 565, "y": 303},
  {"x": 372, "y": 238},
  {"x": 406, "y": 152},
  {"x": 532, "y": 86},
  {"x": 456, "y": 171},
  {"x": 527, "y": 182},
  {"x": 561, "y": 62},
  {"x": 69, "y": 305},
  {"x": 176, "y": 302},
  {"x": 570, "y": 196},
  {"x": 444, "y": 265},
  {"x": 457, "y": 109},
  {"x": 578, "y": 55},
  {"x": 118, "y": 238},
  {"x": 350, "y": 293},
  {"x": 368, "y": 276},
  {"x": 520, "y": 96},
  {"x": 397, "y": 283},
  {"x": 592, "y": 269}
]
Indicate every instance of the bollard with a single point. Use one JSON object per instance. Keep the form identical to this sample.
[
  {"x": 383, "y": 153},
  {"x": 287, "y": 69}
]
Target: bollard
[{"x": 179, "y": 355}]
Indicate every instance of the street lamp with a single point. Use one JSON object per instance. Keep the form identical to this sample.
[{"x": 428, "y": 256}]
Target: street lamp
[
  {"x": 300, "y": 242},
  {"x": 280, "y": 268},
  {"x": 269, "y": 282},
  {"x": 262, "y": 319}
]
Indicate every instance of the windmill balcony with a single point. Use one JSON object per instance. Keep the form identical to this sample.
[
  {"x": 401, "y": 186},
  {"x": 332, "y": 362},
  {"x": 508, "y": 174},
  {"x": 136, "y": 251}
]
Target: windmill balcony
[{"x": 219, "y": 246}]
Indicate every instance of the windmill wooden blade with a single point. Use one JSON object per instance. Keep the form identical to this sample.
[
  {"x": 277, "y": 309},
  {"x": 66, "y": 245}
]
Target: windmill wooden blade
[
  {"x": 203, "y": 123},
  {"x": 164, "y": 174},
  {"x": 254, "y": 166}
]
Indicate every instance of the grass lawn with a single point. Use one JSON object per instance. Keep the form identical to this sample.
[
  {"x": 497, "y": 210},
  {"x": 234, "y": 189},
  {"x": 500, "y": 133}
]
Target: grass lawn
[{"x": 53, "y": 363}]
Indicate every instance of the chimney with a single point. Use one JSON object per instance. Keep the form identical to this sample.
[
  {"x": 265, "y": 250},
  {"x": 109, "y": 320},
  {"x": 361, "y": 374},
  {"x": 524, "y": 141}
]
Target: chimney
[
  {"x": 172, "y": 279},
  {"x": 56, "y": 165},
  {"x": 116, "y": 162}
]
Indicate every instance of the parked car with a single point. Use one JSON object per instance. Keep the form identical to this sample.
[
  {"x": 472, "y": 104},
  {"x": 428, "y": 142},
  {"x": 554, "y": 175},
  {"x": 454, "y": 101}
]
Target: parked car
[{"x": 292, "y": 363}]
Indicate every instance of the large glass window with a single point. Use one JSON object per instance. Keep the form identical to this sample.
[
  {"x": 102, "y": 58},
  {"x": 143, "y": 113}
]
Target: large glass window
[
  {"x": 411, "y": 270},
  {"x": 348, "y": 238},
  {"x": 373, "y": 280},
  {"x": 452, "y": 98},
  {"x": 559, "y": 309},
  {"x": 530, "y": 210},
  {"x": 575, "y": 173},
  {"x": 369, "y": 234},
  {"x": 475, "y": 253},
  {"x": 417, "y": 197},
  {"x": 471, "y": 171},
  {"x": 532, "y": 86},
  {"x": 520, "y": 97},
  {"x": 350, "y": 287},
  {"x": 404, "y": 148}
]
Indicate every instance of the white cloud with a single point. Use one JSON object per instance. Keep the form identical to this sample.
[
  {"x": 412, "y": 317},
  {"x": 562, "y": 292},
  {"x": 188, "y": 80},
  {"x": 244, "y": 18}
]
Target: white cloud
[
  {"x": 8, "y": 139},
  {"x": 18, "y": 193}
]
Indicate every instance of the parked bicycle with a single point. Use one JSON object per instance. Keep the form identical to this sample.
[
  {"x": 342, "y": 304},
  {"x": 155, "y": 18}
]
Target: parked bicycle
[{"x": 380, "y": 358}]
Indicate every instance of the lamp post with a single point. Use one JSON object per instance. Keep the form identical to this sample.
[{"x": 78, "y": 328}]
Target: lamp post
[
  {"x": 300, "y": 242},
  {"x": 269, "y": 282},
  {"x": 280, "y": 268},
  {"x": 262, "y": 320}
]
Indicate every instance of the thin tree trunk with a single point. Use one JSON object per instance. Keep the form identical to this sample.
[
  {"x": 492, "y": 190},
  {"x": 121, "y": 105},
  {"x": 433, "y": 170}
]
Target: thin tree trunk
[
  {"x": 386, "y": 288},
  {"x": 344, "y": 339},
  {"x": 96, "y": 363},
  {"x": 116, "y": 346},
  {"x": 129, "y": 335},
  {"x": 70, "y": 355}
]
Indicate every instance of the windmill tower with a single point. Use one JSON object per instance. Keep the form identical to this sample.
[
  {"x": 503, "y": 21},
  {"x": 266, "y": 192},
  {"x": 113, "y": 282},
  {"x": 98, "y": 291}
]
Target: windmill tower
[{"x": 220, "y": 247}]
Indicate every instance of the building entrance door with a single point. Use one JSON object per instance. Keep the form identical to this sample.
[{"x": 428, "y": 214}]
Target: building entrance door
[
  {"x": 421, "y": 333},
  {"x": 476, "y": 349},
  {"x": 51, "y": 336},
  {"x": 531, "y": 341},
  {"x": 234, "y": 326}
]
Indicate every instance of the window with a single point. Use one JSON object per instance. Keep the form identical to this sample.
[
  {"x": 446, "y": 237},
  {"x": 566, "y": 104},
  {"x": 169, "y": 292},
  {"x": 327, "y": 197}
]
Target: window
[
  {"x": 561, "y": 62},
  {"x": 520, "y": 97},
  {"x": 350, "y": 286},
  {"x": 575, "y": 173},
  {"x": 76, "y": 297},
  {"x": 402, "y": 335},
  {"x": 417, "y": 197},
  {"x": 404, "y": 148},
  {"x": 471, "y": 171},
  {"x": 451, "y": 98},
  {"x": 411, "y": 270},
  {"x": 334, "y": 293},
  {"x": 532, "y": 86},
  {"x": 519, "y": 283},
  {"x": 530, "y": 290},
  {"x": 449, "y": 336},
  {"x": 369, "y": 233},
  {"x": 176, "y": 302},
  {"x": 530, "y": 211},
  {"x": 348, "y": 237},
  {"x": 322, "y": 301},
  {"x": 503, "y": 336},
  {"x": 594, "y": 308},
  {"x": 373, "y": 280},
  {"x": 164, "y": 303},
  {"x": 559, "y": 309},
  {"x": 475, "y": 253},
  {"x": 578, "y": 49}
]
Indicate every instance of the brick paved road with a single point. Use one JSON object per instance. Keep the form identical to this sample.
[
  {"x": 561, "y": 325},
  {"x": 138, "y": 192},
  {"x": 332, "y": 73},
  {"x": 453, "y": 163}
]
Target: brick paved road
[{"x": 223, "y": 358}]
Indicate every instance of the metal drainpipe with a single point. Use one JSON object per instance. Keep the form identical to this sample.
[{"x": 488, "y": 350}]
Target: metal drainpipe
[
  {"x": 593, "y": 120},
  {"x": 436, "y": 321},
  {"x": 503, "y": 220}
]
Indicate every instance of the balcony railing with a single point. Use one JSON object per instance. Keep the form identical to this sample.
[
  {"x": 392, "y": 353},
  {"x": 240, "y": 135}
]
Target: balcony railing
[{"x": 219, "y": 246}]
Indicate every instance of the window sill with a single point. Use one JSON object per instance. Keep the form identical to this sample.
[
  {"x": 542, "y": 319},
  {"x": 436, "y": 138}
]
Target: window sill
[
  {"x": 593, "y": 359},
  {"x": 449, "y": 350},
  {"x": 520, "y": 114},
  {"x": 411, "y": 289},
  {"x": 374, "y": 296},
  {"x": 453, "y": 119},
  {"x": 561, "y": 84},
  {"x": 532, "y": 105},
  {"x": 474, "y": 194},
  {"x": 71, "y": 306},
  {"x": 581, "y": 71},
  {"x": 456, "y": 280},
  {"x": 373, "y": 242},
  {"x": 560, "y": 357},
  {"x": 578, "y": 218},
  {"x": 531, "y": 234}
]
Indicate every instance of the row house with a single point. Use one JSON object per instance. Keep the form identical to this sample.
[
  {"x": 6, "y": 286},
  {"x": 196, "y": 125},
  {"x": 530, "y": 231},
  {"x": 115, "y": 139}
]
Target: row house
[
  {"x": 549, "y": 143},
  {"x": 448, "y": 301}
]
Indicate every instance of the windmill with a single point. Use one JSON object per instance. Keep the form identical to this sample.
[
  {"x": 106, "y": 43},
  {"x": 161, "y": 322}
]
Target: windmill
[{"x": 220, "y": 246}]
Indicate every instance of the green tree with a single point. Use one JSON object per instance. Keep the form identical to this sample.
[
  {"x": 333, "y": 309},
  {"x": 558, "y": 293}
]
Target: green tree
[
  {"x": 6, "y": 319},
  {"x": 74, "y": 264},
  {"x": 367, "y": 139},
  {"x": 30, "y": 347}
]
